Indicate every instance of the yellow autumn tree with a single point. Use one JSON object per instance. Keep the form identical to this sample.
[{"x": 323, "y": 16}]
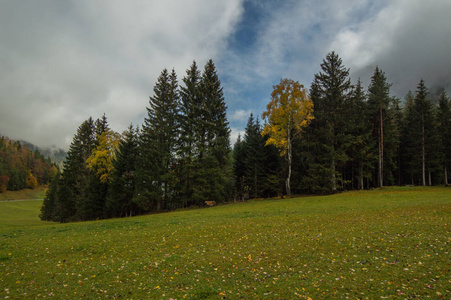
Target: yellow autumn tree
[
  {"x": 288, "y": 112},
  {"x": 31, "y": 181},
  {"x": 101, "y": 159}
]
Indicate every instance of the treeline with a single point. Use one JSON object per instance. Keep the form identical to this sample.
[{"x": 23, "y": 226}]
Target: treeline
[
  {"x": 22, "y": 168},
  {"x": 180, "y": 157},
  {"x": 358, "y": 139}
]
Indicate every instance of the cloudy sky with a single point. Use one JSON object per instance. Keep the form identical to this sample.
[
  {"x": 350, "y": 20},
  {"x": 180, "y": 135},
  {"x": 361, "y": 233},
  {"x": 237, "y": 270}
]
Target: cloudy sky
[{"x": 64, "y": 61}]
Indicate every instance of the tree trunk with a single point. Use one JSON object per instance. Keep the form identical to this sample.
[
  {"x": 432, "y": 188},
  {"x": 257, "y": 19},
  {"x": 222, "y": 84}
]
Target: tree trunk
[
  {"x": 332, "y": 163},
  {"x": 446, "y": 176},
  {"x": 255, "y": 182},
  {"x": 424, "y": 153},
  {"x": 289, "y": 158},
  {"x": 334, "y": 177},
  {"x": 381, "y": 151},
  {"x": 360, "y": 187}
]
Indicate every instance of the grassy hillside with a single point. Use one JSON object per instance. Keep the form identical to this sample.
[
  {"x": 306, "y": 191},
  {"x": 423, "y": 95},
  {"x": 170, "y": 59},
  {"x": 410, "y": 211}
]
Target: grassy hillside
[
  {"x": 20, "y": 213},
  {"x": 385, "y": 243},
  {"x": 27, "y": 194}
]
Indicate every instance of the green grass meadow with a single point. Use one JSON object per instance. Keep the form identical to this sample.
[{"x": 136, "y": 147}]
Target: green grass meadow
[
  {"x": 392, "y": 243},
  {"x": 38, "y": 193}
]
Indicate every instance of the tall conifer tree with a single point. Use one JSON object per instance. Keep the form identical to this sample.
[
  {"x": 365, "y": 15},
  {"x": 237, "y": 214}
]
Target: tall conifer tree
[
  {"x": 408, "y": 166},
  {"x": 48, "y": 208},
  {"x": 158, "y": 145},
  {"x": 254, "y": 144},
  {"x": 191, "y": 107},
  {"x": 425, "y": 134},
  {"x": 392, "y": 139},
  {"x": 378, "y": 102},
  {"x": 122, "y": 187},
  {"x": 213, "y": 166},
  {"x": 239, "y": 168},
  {"x": 329, "y": 93},
  {"x": 73, "y": 188},
  {"x": 444, "y": 123},
  {"x": 359, "y": 147},
  {"x": 100, "y": 165}
]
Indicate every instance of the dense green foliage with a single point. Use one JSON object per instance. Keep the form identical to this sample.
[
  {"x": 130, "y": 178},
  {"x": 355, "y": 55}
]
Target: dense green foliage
[
  {"x": 257, "y": 168},
  {"x": 22, "y": 168},
  {"x": 330, "y": 93},
  {"x": 385, "y": 243},
  {"x": 120, "y": 202},
  {"x": 444, "y": 131},
  {"x": 180, "y": 157}
]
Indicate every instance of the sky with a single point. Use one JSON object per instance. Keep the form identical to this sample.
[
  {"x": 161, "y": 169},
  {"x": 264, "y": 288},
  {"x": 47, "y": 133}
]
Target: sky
[{"x": 62, "y": 62}]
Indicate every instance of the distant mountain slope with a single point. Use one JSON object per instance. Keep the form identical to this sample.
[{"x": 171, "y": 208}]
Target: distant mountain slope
[
  {"x": 56, "y": 155},
  {"x": 22, "y": 165}
]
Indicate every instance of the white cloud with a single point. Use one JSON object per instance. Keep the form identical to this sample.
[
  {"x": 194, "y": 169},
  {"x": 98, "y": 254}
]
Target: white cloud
[
  {"x": 235, "y": 132},
  {"x": 65, "y": 61},
  {"x": 291, "y": 39},
  {"x": 240, "y": 115}
]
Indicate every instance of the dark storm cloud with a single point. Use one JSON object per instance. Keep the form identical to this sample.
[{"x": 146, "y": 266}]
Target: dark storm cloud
[{"x": 408, "y": 40}]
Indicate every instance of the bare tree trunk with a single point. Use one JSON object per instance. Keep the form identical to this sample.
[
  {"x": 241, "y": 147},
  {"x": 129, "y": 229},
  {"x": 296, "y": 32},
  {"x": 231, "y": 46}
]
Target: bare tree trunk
[
  {"x": 289, "y": 159},
  {"x": 424, "y": 155},
  {"x": 381, "y": 151}
]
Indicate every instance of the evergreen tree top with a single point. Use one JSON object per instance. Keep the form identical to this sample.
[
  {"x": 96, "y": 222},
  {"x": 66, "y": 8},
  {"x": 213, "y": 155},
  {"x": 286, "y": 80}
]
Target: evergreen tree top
[
  {"x": 379, "y": 90},
  {"x": 422, "y": 91},
  {"x": 333, "y": 80}
]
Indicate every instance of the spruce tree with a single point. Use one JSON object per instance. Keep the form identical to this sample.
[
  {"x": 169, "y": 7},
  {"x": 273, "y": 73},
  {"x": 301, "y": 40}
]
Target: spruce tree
[
  {"x": 425, "y": 134},
  {"x": 408, "y": 166},
  {"x": 444, "y": 123},
  {"x": 48, "y": 205},
  {"x": 254, "y": 144},
  {"x": 392, "y": 138},
  {"x": 329, "y": 93},
  {"x": 158, "y": 146},
  {"x": 360, "y": 145},
  {"x": 213, "y": 166},
  {"x": 72, "y": 193},
  {"x": 273, "y": 180},
  {"x": 100, "y": 165},
  {"x": 378, "y": 102},
  {"x": 217, "y": 127},
  {"x": 190, "y": 121},
  {"x": 122, "y": 187},
  {"x": 239, "y": 168}
]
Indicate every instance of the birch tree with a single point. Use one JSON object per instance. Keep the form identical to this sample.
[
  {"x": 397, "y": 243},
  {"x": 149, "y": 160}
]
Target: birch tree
[{"x": 288, "y": 112}]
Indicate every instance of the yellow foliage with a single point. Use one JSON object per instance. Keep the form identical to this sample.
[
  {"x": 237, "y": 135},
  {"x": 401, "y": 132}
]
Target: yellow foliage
[
  {"x": 101, "y": 159},
  {"x": 53, "y": 171},
  {"x": 288, "y": 112},
  {"x": 31, "y": 181}
]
